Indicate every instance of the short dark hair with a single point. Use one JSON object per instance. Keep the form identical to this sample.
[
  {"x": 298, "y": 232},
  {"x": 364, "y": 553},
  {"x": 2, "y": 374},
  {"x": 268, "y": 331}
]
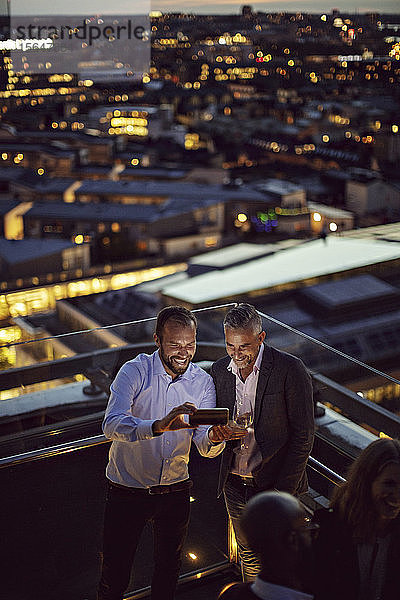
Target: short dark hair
[
  {"x": 267, "y": 519},
  {"x": 243, "y": 316},
  {"x": 178, "y": 314},
  {"x": 353, "y": 499}
]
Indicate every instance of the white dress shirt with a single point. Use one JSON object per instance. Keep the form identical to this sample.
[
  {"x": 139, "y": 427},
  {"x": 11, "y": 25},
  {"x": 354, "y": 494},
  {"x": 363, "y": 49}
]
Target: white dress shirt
[
  {"x": 245, "y": 462},
  {"x": 141, "y": 393}
]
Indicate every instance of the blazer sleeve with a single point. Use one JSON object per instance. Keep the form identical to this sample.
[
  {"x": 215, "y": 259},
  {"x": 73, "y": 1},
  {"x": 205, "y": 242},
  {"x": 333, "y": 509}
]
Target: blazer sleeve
[{"x": 300, "y": 414}]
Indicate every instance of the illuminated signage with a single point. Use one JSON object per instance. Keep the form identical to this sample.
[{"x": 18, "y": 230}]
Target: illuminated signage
[{"x": 265, "y": 221}]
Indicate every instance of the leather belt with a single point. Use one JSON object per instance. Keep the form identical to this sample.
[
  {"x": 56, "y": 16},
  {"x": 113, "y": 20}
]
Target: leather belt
[
  {"x": 240, "y": 480},
  {"x": 156, "y": 490}
]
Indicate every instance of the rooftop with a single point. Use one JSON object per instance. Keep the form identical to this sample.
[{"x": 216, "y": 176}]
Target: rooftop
[
  {"x": 168, "y": 188},
  {"x": 16, "y": 251},
  {"x": 238, "y": 253},
  {"x": 45, "y": 185},
  {"x": 349, "y": 291},
  {"x": 330, "y": 211},
  {"x": 107, "y": 211},
  {"x": 7, "y": 204},
  {"x": 279, "y": 187},
  {"x": 306, "y": 261},
  {"x": 92, "y": 212}
]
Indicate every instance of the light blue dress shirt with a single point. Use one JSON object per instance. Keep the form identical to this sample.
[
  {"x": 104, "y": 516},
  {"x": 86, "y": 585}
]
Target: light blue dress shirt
[{"x": 141, "y": 393}]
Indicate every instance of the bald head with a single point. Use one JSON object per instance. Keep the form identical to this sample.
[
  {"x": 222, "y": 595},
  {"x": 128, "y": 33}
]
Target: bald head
[
  {"x": 268, "y": 518},
  {"x": 275, "y": 527}
]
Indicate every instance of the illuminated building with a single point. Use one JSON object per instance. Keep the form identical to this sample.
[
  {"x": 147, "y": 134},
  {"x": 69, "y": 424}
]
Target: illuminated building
[
  {"x": 287, "y": 207},
  {"x": 137, "y": 121},
  {"x": 328, "y": 218},
  {"x": 43, "y": 297},
  {"x": 24, "y": 258},
  {"x": 367, "y": 192},
  {"x": 52, "y": 159}
]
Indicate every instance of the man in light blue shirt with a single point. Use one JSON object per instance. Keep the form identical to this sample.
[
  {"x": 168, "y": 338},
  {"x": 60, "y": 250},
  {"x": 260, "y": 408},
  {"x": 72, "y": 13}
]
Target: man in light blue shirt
[{"x": 148, "y": 461}]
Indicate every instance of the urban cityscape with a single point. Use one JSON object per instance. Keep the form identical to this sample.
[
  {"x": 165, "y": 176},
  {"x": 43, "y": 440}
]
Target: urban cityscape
[{"x": 249, "y": 156}]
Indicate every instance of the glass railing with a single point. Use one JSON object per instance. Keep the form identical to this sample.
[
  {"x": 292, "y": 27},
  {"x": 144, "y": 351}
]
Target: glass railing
[
  {"x": 51, "y": 382},
  {"x": 54, "y": 387},
  {"x": 351, "y": 374}
]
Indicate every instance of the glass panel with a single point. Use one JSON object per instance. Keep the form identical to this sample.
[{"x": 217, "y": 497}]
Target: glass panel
[
  {"x": 346, "y": 363},
  {"x": 56, "y": 394}
]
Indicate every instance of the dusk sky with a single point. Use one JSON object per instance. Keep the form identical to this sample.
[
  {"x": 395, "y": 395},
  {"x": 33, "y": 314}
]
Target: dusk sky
[{"x": 78, "y": 7}]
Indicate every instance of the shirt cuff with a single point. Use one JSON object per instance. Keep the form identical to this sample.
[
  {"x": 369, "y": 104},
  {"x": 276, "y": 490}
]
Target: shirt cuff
[{"x": 144, "y": 430}]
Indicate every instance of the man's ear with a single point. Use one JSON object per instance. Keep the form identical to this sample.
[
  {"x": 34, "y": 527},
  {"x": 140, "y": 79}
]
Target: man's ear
[
  {"x": 156, "y": 340},
  {"x": 262, "y": 337}
]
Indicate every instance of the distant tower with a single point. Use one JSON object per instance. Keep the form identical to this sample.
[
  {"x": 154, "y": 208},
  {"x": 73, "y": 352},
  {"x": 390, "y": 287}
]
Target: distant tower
[{"x": 247, "y": 11}]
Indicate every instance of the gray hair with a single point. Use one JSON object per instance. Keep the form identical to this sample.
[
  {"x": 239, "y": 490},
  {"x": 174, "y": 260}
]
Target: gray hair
[{"x": 244, "y": 316}]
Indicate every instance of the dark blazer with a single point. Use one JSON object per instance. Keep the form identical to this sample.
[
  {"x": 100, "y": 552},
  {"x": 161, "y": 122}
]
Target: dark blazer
[
  {"x": 337, "y": 573},
  {"x": 283, "y": 420}
]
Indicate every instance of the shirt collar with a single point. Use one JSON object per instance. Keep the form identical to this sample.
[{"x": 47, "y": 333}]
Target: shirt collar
[
  {"x": 265, "y": 590},
  {"x": 159, "y": 369},
  {"x": 257, "y": 365}
]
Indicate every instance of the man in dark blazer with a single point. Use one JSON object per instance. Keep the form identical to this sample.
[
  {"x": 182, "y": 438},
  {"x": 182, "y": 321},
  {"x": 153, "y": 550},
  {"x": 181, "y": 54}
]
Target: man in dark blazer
[{"x": 276, "y": 388}]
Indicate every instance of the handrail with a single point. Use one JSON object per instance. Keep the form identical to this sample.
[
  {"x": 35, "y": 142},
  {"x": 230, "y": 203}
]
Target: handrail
[
  {"x": 50, "y": 451},
  {"x": 183, "y": 579},
  {"x": 357, "y": 408},
  {"x": 325, "y": 471}
]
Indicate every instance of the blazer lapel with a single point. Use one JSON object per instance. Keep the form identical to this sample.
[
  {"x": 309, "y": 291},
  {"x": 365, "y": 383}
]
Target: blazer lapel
[
  {"x": 230, "y": 393},
  {"x": 263, "y": 377}
]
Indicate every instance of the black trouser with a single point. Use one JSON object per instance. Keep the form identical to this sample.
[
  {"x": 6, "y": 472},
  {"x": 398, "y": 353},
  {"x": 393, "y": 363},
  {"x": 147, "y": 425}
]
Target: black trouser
[
  {"x": 127, "y": 512},
  {"x": 237, "y": 494}
]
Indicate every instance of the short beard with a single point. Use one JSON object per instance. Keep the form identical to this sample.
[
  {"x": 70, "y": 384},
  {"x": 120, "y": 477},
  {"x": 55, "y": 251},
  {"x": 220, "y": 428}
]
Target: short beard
[{"x": 172, "y": 367}]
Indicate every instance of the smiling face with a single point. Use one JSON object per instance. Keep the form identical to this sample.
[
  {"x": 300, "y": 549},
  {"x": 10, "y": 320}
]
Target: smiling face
[
  {"x": 385, "y": 493},
  {"x": 177, "y": 345},
  {"x": 243, "y": 345}
]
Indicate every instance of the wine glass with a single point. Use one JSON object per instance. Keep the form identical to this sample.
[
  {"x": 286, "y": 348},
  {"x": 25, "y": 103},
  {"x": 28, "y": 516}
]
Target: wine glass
[{"x": 244, "y": 419}]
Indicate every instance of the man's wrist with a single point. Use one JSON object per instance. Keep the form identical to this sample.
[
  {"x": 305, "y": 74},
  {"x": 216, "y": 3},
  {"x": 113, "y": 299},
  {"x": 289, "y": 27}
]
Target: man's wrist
[
  {"x": 156, "y": 428},
  {"x": 212, "y": 442}
]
